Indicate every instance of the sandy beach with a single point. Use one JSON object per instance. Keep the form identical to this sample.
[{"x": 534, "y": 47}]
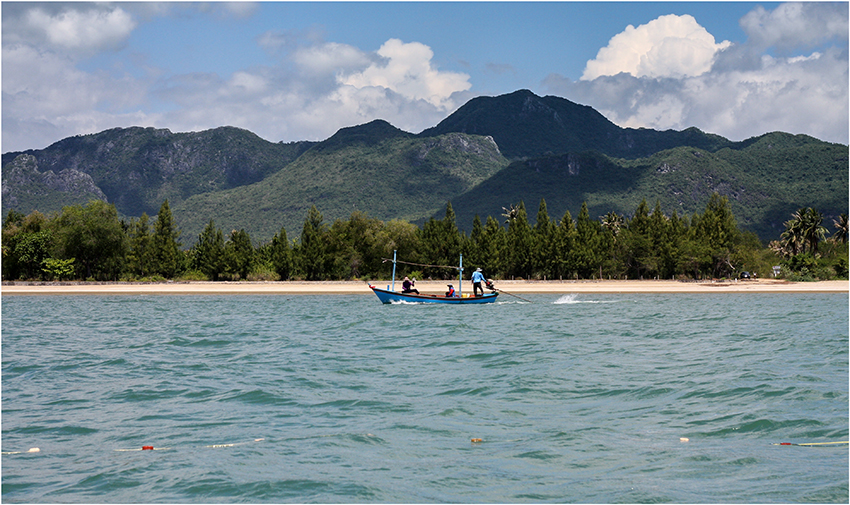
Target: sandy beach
[{"x": 362, "y": 287}]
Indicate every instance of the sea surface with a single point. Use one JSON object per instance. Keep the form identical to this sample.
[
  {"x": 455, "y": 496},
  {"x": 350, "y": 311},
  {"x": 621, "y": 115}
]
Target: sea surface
[{"x": 591, "y": 398}]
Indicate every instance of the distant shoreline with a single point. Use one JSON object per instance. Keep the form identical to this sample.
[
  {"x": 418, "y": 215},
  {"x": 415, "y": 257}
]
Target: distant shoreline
[{"x": 13, "y": 288}]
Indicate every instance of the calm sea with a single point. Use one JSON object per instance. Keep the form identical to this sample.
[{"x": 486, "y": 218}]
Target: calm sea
[{"x": 324, "y": 399}]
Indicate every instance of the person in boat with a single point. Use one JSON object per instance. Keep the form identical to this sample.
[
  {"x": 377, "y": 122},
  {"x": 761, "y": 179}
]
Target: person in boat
[
  {"x": 477, "y": 279},
  {"x": 451, "y": 292},
  {"x": 407, "y": 286}
]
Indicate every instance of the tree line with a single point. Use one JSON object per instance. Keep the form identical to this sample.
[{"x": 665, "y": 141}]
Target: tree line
[{"x": 91, "y": 242}]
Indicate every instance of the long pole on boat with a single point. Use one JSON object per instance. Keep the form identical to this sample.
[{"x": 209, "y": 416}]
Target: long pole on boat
[
  {"x": 460, "y": 278},
  {"x": 394, "y": 251}
]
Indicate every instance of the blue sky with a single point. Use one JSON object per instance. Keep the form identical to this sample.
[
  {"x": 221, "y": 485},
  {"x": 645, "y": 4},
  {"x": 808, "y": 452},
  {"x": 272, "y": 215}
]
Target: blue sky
[{"x": 300, "y": 71}]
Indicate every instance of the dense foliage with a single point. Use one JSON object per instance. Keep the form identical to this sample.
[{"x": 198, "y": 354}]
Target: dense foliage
[{"x": 91, "y": 242}]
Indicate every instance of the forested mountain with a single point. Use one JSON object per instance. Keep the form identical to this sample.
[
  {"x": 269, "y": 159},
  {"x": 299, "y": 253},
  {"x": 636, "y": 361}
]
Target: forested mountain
[
  {"x": 491, "y": 153},
  {"x": 373, "y": 168},
  {"x": 766, "y": 179},
  {"x": 137, "y": 168}
]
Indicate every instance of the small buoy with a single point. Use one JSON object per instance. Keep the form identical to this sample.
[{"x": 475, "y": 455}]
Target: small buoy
[
  {"x": 34, "y": 449},
  {"x": 476, "y": 440},
  {"x": 683, "y": 439},
  {"x": 147, "y": 447}
]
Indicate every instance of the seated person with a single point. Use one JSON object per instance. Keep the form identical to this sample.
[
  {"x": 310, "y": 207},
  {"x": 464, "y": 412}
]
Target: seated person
[
  {"x": 451, "y": 292},
  {"x": 407, "y": 286}
]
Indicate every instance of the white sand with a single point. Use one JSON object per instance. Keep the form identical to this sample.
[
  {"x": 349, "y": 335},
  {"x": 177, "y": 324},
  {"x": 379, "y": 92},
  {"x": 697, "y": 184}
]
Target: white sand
[{"x": 362, "y": 287}]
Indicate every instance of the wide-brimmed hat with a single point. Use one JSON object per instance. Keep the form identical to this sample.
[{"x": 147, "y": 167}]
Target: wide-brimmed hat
[
  {"x": 477, "y": 269},
  {"x": 406, "y": 279}
]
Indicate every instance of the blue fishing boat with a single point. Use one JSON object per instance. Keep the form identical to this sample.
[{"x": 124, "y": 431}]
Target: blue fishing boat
[
  {"x": 387, "y": 296},
  {"x": 390, "y": 295}
]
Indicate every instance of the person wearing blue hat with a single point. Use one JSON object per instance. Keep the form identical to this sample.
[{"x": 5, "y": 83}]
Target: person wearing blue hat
[{"x": 477, "y": 279}]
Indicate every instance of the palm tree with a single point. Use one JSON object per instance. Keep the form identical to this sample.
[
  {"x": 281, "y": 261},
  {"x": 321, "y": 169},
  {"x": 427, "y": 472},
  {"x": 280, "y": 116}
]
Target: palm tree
[
  {"x": 612, "y": 222},
  {"x": 813, "y": 232},
  {"x": 803, "y": 231},
  {"x": 840, "y": 229},
  {"x": 792, "y": 238},
  {"x": 510, "y": 214}
]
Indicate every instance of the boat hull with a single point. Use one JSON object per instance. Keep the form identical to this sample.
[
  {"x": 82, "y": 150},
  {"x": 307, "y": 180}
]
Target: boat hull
[{"x": 387, "y": 296}]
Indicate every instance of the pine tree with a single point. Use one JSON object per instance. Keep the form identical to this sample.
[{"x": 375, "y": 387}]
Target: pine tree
[
  {"x": 588, "y": 253},
  {"x": 312, "y": 246},
  {"x": 473, "y": 248},
  {"x": 140, "y": 257},
  {"x": 166, "y": 248},
  {"x": 281, "y": 255},
  {"x": 718, "y": 232},
  {"x": 209, "y": 255},
  {"x": 240, "y": 254},
  {"x": 519, "y": 245},
  {"x": 564, "y": 247},
  {"x": 493, "y": 248},
  {"x": 543, "y": 237}
]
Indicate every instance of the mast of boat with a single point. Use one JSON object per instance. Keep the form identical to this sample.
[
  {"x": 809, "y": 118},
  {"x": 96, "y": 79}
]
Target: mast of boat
[
  {"x": 394, "y": 251},
  {"x": 460, "y": 278}
]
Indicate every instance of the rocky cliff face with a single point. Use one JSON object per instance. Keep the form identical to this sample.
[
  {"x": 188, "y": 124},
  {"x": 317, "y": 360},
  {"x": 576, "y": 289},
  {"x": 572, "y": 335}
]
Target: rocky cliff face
[
  {"x": 25, "y": 188},
  {"x": 138, "y": 168}
]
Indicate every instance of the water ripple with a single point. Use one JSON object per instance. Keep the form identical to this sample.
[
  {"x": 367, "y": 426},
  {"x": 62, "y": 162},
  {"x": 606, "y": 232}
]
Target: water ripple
[{"x": 574, "y": 398}]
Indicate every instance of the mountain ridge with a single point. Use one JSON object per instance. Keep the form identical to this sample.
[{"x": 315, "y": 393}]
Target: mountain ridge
[{"x": 481, "y": 157}]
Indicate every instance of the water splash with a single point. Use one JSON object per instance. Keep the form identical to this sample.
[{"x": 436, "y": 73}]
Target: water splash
[
  {"x": 572, "y": 299},
  {"x": 567, "y": 299}
]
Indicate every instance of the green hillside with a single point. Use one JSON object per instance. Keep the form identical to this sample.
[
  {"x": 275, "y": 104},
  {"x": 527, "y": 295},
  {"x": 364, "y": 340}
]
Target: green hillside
[
  {"x": 765, "y": 179},
  {"x": 385, "y": 174},
  {"x": 138, "y": 168}
]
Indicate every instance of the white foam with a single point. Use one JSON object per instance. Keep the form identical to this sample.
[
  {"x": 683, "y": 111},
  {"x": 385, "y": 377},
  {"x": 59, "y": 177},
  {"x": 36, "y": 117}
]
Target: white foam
[
  {"x": 572, "y": 299},
  {"x": 568, "y": 299}
]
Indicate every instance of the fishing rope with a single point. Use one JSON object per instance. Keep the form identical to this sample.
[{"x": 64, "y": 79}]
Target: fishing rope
[
  {"x": 808, "y": 444},
  {"x": 474, "y": 440},
  {"x": 150, "y": 447},
  {"x": 384, "y": 260},
  {"x": 213, "y": 446}
]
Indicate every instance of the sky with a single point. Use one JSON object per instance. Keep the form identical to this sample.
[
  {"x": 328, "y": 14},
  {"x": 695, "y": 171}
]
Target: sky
[{"x": 291, "y": 71}]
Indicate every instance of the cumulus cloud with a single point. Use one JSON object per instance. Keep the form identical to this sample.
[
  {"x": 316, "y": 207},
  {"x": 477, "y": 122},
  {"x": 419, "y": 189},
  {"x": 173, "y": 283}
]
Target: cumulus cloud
[
  {"x": 734, "y": 90},
  {"x": 330, "y": 59},
  {"x": 790, "y": 74},
  {"x": 795, "y": 24},
  {"x": 406, "y": 69},
  {"x": 670, "y": 46},
  {"x": 89, "y": 29},
  {"x": 313, "y": 88}
]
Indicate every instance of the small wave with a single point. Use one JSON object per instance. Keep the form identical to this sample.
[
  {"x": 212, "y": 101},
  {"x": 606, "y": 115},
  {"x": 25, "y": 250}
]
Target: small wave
[{"x": 572, "y": 298}]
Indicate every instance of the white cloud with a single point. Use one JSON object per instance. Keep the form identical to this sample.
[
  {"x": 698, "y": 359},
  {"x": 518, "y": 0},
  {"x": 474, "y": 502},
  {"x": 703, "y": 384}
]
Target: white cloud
[
  {"x": 313, "y": 88},
  {"x": 795, "y": 24},
  {"x": 669, "y": 73},
  {"x": 90, "y": 29},
  {"x": 670, "y": 46},
  {"x": 319, "y": 89},
  {"x": 745, "y": 91},
  {"x": 330, "y": 59},
  {"x": 45, "y": 98},
  {"x": 406, "y": 69}
]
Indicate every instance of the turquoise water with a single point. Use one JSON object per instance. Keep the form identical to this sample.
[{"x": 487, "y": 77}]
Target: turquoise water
[{"x": 325, "y": 399}]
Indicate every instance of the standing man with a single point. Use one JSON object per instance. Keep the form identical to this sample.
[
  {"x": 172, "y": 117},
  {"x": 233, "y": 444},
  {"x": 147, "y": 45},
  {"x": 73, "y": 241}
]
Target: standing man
[{"x": 477, "y": 279}]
